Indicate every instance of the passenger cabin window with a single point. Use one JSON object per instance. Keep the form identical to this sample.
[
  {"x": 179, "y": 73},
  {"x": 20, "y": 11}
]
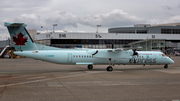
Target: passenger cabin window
[{"x": 82, "y": 56}]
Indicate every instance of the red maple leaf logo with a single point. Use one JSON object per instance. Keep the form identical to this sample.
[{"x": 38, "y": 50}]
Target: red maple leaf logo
[{"x": 20, "y": 40}]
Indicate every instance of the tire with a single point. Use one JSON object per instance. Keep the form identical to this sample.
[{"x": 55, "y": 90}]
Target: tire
[
  {"x": 166, "y": 66},
  {"x": 109, "y": 68},
  {"x": 90, "y": 66}
]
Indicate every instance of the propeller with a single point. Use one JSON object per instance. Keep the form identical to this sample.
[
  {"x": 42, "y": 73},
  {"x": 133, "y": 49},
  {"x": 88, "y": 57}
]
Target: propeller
[
  {"x": 112, "y": 45},
  {"x": 134, "y": 52},
  {"x": 170, "y": 55}
]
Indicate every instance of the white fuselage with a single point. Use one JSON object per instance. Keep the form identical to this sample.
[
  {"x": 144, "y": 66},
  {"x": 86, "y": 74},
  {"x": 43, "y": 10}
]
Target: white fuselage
[{"x": 83, "y": 57}]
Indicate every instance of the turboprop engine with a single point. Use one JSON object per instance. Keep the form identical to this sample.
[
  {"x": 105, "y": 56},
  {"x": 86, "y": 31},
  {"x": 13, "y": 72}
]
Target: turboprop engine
[{"x": 134, "y": 52}]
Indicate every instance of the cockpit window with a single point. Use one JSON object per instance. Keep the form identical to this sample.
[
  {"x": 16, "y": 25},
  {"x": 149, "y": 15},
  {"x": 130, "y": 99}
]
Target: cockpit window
[{"x": 163, "y": 55}]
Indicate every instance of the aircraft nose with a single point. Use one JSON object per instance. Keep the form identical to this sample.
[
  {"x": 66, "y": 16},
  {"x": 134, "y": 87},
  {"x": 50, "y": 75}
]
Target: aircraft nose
[{"x": 171, "y": 61}]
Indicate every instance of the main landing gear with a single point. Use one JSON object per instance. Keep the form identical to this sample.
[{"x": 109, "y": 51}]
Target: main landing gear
[
  {"x": 109, "y": 68},
  {"x": 90, "y": 66},
  {"x": 166, "y": 66},
  {"x": 111, "y": 63}
]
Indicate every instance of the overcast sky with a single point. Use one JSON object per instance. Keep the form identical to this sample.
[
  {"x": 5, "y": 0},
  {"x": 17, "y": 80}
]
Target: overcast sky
[{"x": 84, "y": 15}]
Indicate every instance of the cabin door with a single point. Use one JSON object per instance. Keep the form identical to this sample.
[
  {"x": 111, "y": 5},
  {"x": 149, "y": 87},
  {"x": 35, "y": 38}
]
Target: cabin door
[
  {"x": 69, "y": 57},
  {"x": 147, "y": 58}
]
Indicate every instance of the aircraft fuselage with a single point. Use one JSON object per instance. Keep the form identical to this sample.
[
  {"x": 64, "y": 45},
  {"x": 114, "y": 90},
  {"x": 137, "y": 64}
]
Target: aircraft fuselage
[{"x": 82, "y": 57}]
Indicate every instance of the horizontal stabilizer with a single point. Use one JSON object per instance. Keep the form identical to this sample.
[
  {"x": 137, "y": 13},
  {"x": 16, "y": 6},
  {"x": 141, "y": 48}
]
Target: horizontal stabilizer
[{"x": 11, "y": 24}]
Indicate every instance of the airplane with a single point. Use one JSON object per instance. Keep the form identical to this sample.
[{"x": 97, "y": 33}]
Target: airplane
[{"x": 25, "y": 46}]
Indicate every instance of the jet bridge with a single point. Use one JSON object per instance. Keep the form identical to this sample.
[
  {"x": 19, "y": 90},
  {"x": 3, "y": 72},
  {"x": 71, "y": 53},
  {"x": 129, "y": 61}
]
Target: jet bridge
[{"x": 150, "y": 44}]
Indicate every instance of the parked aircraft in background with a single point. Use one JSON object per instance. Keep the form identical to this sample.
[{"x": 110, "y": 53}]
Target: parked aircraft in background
[{"x": 25, "y": 46}]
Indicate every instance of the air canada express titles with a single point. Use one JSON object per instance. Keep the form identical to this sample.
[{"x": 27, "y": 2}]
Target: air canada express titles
[{"x": 142, "y": 60}]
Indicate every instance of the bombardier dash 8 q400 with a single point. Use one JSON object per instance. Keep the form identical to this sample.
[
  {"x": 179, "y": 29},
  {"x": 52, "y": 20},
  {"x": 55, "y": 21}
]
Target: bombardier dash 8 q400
[{"x": 25, "y": 46}]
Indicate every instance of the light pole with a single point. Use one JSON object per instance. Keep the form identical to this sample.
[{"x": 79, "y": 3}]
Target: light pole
[
  {"x": 54, "y": 26},
  {"x": 44, "y": 27},
  {"x": 97, "y": 28}
]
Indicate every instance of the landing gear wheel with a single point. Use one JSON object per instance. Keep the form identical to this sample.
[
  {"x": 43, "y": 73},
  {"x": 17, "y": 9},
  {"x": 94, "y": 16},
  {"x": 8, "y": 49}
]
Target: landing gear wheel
[
  {"x": 109, "y": 68},
  {"x": 90, "y": 66},
  {"x": 166, "y": 66}
]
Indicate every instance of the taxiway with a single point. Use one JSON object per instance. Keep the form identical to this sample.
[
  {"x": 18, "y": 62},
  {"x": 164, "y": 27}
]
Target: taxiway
[{"x": 35, "y": 80}]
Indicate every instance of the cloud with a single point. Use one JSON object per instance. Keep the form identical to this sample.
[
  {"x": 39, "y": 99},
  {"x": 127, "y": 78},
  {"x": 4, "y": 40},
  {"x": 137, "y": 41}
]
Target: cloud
[
  {"x": 114, "y": 18},
  {"x": 32, "y": 20},
  {"x": 84, "y": 15},
  {"x": 3, "y": 31},
  {"x": 173, "y": 19},
  {"x": 63, "y": 19},
  {"x": 166, "y": 7},
  {"x": 67, "y": 19},
  {"x": 179, "y": 6},
  {"x": 2, "y": 28},
  {"x": 19, "y": 4}
]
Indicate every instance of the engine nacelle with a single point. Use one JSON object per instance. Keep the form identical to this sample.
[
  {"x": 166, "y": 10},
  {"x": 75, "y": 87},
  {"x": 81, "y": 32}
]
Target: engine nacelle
[{"x": 131, "y": 53}]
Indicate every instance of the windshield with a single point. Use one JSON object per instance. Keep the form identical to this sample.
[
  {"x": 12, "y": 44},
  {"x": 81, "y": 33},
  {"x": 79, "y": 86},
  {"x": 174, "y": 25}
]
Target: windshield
[{"x": 163, "y": 55}]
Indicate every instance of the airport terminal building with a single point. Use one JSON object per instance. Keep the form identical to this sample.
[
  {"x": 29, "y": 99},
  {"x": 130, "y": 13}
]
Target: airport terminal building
[{"x": 149, "y": 37}]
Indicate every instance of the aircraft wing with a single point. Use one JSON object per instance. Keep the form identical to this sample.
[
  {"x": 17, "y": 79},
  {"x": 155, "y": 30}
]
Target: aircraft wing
[
  {"x": 117, "y": 50},
  {"x": 108, "y": 53}
]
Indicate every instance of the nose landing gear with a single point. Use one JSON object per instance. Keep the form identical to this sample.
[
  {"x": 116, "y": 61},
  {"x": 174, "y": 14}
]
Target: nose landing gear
[{"x": 166, "y": 66}]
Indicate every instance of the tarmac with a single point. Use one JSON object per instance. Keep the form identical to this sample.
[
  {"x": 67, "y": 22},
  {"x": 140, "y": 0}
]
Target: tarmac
[{"x": 26, "y": 79}]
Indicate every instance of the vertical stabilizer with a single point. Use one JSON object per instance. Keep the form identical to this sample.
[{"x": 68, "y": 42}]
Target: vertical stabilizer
[{"x": 20, "y": 37}]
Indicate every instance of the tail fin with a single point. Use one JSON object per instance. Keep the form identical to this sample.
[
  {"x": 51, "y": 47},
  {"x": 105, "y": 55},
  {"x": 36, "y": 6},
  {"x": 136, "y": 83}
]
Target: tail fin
[{"x": 21, "y": 38}]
